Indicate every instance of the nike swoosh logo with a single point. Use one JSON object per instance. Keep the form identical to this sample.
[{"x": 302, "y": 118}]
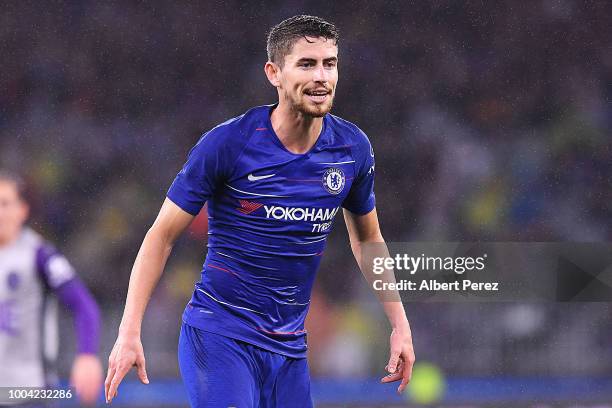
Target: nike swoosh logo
[{"x": 251, "y": 177}]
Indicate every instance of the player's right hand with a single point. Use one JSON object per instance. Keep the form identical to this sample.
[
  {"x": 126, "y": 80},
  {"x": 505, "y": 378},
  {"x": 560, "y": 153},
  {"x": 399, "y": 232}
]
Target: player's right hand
[
  {"x": 127, "y": 353},
  {"x": 402, "y": 357}
]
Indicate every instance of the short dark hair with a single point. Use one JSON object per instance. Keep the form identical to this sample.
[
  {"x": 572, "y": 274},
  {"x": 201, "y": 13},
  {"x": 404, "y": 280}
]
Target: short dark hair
[
  {"x": 284, "y": 35},
  {"x": 15, "y": 179}
]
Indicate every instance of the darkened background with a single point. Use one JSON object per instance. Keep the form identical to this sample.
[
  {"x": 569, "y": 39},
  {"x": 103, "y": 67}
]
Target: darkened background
[{"x": 490, "y": 121}]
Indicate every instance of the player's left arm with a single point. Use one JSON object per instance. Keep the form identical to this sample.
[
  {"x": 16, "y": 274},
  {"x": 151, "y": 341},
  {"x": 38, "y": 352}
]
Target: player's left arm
[
  {"x": 86, "y": 373},
  {"x": 364, "y": 229}
]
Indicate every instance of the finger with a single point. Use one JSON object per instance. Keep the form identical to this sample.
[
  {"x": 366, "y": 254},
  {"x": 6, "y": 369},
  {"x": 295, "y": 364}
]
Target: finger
[
  {"x": 142, "y": 371},
  {"x": 107, "y": 382},
  {"x": 393, "y": 360},
  {"x": 117, "y": 378},
  {"x": 393, "y": 376},
  {"x": 109, "y": 373},
  {"x": 406, "y": 374}
]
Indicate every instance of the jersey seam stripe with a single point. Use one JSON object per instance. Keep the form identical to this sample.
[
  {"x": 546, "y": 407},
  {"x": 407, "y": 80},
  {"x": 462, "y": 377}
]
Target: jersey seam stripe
[
  {"x": 293, "y": 303},
  {"x": 344, "y": 162},
  {"x": 255, "y": 194},
  {"x": 222, "y": 254},
  {"x": 222, "y": 269},
  {"x": 310, "y": 242},
  {"x": 229, "y": 304},
  {"x": 353, "y": 154},
  {"x": 241, "y": 152},
  {"x": 279, "y": 332}
]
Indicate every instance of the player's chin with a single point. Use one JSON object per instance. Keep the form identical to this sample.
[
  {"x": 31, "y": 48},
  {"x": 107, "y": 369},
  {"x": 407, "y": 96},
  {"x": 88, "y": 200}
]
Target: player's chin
[{"x": 317, "y": 110}]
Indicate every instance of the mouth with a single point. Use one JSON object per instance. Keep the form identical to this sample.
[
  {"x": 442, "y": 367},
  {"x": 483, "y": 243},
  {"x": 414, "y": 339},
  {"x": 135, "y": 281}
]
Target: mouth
[{"x": 317, "y": 95}]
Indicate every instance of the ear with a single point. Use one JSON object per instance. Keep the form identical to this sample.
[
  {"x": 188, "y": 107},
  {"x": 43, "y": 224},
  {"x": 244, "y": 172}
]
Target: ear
[{"x": 273, "y": 73}]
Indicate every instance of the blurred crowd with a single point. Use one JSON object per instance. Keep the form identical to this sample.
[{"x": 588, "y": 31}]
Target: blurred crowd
[{"x": 490, "y": 121}]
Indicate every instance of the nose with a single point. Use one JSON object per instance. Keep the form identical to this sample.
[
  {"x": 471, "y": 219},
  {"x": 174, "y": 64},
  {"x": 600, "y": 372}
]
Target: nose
[{"x": 320, "y": 74}]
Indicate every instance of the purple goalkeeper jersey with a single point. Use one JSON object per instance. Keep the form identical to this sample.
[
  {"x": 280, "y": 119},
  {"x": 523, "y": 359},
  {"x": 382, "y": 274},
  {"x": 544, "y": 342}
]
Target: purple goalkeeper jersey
[
  {"x": 30, "y": 270},
  {"x": 270, "y": 212}
]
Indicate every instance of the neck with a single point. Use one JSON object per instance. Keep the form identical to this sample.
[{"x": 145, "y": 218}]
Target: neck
[{"x": 297, "y": 132}]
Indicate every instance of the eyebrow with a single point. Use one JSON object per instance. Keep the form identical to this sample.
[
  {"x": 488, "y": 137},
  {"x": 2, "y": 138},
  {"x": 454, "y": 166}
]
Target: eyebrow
[{"x": 330, "y": 59}]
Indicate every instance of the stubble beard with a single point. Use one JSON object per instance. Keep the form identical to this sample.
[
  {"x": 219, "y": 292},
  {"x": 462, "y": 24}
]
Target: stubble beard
[{"x": 306, "y": 109}]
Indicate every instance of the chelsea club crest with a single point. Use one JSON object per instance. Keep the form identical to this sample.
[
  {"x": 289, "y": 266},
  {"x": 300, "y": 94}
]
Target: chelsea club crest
[{"x": 333, "y": 180}]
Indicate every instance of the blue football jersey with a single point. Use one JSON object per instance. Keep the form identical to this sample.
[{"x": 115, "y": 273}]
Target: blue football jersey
[{"x": 270, "y": 212}]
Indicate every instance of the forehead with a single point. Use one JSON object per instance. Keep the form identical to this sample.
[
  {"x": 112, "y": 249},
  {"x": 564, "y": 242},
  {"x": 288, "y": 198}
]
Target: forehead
[
  {"x": 8, "y": 189},
  {"x": 313, "y": 47}
]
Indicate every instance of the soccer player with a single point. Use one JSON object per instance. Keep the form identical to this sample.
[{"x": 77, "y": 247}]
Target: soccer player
[
  {"x": 30, "y": 269},
  {"x": 274, "y": 179}
]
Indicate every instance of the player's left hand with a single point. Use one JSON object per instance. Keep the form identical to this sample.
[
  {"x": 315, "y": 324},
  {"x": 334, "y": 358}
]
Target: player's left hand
[
  {"x": 402, "y": 357},
  {"x": 86, "y": 378}
]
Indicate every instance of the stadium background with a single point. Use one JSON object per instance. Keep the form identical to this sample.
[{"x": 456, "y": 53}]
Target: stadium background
[{"x": 490, "y": 121}]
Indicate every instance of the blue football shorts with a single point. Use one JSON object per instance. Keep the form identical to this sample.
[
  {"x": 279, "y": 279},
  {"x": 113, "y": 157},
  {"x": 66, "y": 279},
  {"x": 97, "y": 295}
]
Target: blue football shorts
[{"x": 221, "y": 372}]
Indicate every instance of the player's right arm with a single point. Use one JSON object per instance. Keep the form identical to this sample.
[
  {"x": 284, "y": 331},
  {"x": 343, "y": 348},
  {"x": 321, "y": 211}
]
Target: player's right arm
[
  {"x": 207, "y": 166},
  {"x": 148, "y": 267}
]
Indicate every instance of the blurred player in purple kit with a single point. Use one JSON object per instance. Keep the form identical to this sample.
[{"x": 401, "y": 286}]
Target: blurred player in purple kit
[
  {"x": 274, "y": 179},
  {"x": 30, "y": 270}
]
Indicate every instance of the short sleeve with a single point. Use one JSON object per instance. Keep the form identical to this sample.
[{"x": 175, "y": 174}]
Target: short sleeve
[
  {"x": 54, "y": 268},
  {"x": 200, "y": 175},
  {"x": 360, "y": 199}
]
